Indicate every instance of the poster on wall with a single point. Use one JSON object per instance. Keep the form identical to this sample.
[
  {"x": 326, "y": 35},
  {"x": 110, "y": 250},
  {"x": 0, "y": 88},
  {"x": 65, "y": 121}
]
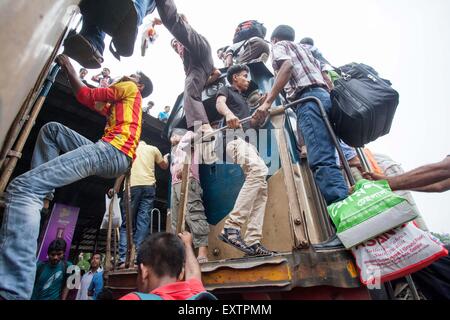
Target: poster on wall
[{"x": 61, "y": 225}]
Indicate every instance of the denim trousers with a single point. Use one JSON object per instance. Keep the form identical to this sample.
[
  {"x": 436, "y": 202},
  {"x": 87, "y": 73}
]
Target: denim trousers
[
  {"x": 321, "y": 150},
  {"x": 142, "y": 202},
  {"x": 25, "y": 195}
]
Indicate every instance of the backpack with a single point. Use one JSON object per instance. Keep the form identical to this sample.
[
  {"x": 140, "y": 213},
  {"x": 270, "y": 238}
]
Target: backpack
[
  {"x": 205, "y": 295},
  {"x": 249, "y": 29}
]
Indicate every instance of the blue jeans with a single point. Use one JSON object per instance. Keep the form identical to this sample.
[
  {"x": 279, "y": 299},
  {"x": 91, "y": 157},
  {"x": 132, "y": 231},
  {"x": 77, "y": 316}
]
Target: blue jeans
[
  {"x": 142, "y": 199},
  {"x": 97, "y": 37},
  {"x": 321, "y": 150},
  {"x": 25, "y": 195},
  {"x": 349, "y": 152}
]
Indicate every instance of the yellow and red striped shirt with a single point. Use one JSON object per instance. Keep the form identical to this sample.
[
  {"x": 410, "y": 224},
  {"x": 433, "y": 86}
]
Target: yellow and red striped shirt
[{"x": 122, "y": 105}]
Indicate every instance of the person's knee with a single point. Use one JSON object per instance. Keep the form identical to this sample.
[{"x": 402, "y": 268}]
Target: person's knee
[
  {"x": 258, "y": 172},
  {"x": 51, "y": 127}
]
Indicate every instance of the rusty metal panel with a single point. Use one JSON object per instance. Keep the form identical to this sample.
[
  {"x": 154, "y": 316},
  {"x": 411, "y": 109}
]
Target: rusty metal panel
[
  {"x": 29, "y": 31},
  {"x": 274, "y": 275}
]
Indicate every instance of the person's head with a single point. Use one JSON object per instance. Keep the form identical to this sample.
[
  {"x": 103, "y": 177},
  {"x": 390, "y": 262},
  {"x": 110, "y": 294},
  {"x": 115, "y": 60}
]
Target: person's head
[
  {"x": 83, "y": 73},
  {"x": 160, "y": 256},
  {"x": 282, "y": 33},
  {"x": 143, "y": 83},
  {"x": 96, "y": 260},
  {"x": 307, "y": 41},
  {"x": 106, "y": 72},
  {"x": 176, "y": 136},
  {"x": 56, "y": 251},
  {"x": 167, "y": 109},
  {"x": 237, "y": 76},
  {"x": 150, "y": 105}
]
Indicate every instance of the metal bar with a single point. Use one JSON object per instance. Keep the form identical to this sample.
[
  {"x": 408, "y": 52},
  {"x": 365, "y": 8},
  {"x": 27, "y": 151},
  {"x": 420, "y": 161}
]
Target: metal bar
[
  {"x": 181, "y": 221},
  {"x": 116, "y": 187},
  {"x": 413, "y": 287},
  {"x": 159, "y": 219},
  {"x": 129, "y": 222},
  {"x": 116, "y": 238},
  {"x": 362, "y": 157},
  {"x": 19, "y": 145}
]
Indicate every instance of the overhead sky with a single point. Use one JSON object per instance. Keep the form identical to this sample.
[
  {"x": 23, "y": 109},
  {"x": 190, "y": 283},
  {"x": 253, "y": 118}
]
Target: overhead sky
[{"x": 406, "y": 41}]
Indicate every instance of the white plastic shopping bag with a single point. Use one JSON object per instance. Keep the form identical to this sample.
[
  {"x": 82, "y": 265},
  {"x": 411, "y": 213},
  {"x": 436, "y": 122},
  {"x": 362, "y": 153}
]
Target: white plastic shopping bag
[
  {"x": 116, "y": 217},
  {"x": 396, "y": 253}
]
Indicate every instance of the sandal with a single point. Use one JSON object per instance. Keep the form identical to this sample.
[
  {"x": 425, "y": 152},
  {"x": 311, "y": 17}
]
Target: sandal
[
  {"x": 81, "y": 50},
  {"x": 233, "y": 238}
]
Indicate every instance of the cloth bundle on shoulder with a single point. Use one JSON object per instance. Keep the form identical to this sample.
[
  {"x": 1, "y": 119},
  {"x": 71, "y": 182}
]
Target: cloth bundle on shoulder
[
  {"x": 363, "y": 105},
  {"x": 396, "y": 253},
  {"x": 371, "y": 210}
]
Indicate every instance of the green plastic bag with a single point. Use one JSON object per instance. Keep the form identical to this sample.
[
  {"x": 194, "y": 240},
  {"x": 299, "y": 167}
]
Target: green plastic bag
[{"x": 371, "y": 210}]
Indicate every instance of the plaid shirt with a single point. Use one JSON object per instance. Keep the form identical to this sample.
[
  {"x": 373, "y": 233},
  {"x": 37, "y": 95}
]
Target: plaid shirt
[{"x": 306, "y": 71}]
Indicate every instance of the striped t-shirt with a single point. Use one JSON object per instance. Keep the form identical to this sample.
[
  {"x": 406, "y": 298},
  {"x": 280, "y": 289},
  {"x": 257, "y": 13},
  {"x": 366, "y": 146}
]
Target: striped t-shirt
[{"x": 122, "y": 105}]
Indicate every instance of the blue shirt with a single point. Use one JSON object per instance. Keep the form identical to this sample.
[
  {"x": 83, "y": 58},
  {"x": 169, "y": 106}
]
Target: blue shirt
[
  {"x": 96, "y": 285},
  {"x": 163, "y": 116},
  {"x": 49, "y": 281}
]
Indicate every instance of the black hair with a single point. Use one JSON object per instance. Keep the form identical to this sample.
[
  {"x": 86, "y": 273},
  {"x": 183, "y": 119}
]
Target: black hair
[
  {"x": 237, "y": 68},
  {"x": 57, "y": 245},
  {"x": 105, "y": 294},
  {"x": 164, "y": 253},
  {"x": 148, "y": 85},
  {"x": 307, "y": 40},
  {"x": 151, "y": 102},
  {"x": 95, "y": 254},
  {"x": 283, "y": 32},
  {"x": 83, "y": 69}
]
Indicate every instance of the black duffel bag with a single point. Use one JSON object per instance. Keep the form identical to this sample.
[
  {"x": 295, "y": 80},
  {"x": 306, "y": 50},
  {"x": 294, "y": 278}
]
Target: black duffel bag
[{"x": 363, "y": 105}]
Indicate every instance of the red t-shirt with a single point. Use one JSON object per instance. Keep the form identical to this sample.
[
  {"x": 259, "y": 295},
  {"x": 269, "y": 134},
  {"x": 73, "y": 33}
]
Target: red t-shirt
[{"x": 182, "y": 290}]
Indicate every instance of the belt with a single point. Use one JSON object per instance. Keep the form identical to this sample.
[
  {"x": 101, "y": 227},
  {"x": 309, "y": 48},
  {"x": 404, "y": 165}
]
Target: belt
[{"x": 309, "y": 89}]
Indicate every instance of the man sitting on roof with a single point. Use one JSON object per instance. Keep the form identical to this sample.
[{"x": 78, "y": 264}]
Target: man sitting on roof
[{"x": 161, "y": 259}]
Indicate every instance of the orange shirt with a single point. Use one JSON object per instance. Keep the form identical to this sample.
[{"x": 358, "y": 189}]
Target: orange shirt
[
  {"x": 181, "y": 290},
  {"x": 122, "y": 105}
]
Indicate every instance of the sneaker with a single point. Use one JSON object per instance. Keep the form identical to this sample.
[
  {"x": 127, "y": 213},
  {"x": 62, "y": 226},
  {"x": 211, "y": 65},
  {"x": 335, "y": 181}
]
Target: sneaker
[
  {"x": 260, "y": 250},
  {"x": 233, "y": 238}
]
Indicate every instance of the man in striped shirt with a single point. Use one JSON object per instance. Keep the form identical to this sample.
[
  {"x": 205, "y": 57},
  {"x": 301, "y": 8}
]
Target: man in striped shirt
[
  {"x": 110, "y": 157},
  {"x": 300, "y": 75}
]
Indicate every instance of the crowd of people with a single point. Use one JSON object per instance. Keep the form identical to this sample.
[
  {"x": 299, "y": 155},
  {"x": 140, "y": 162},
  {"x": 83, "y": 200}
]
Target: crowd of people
[{"x": 62, "y": 156}]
